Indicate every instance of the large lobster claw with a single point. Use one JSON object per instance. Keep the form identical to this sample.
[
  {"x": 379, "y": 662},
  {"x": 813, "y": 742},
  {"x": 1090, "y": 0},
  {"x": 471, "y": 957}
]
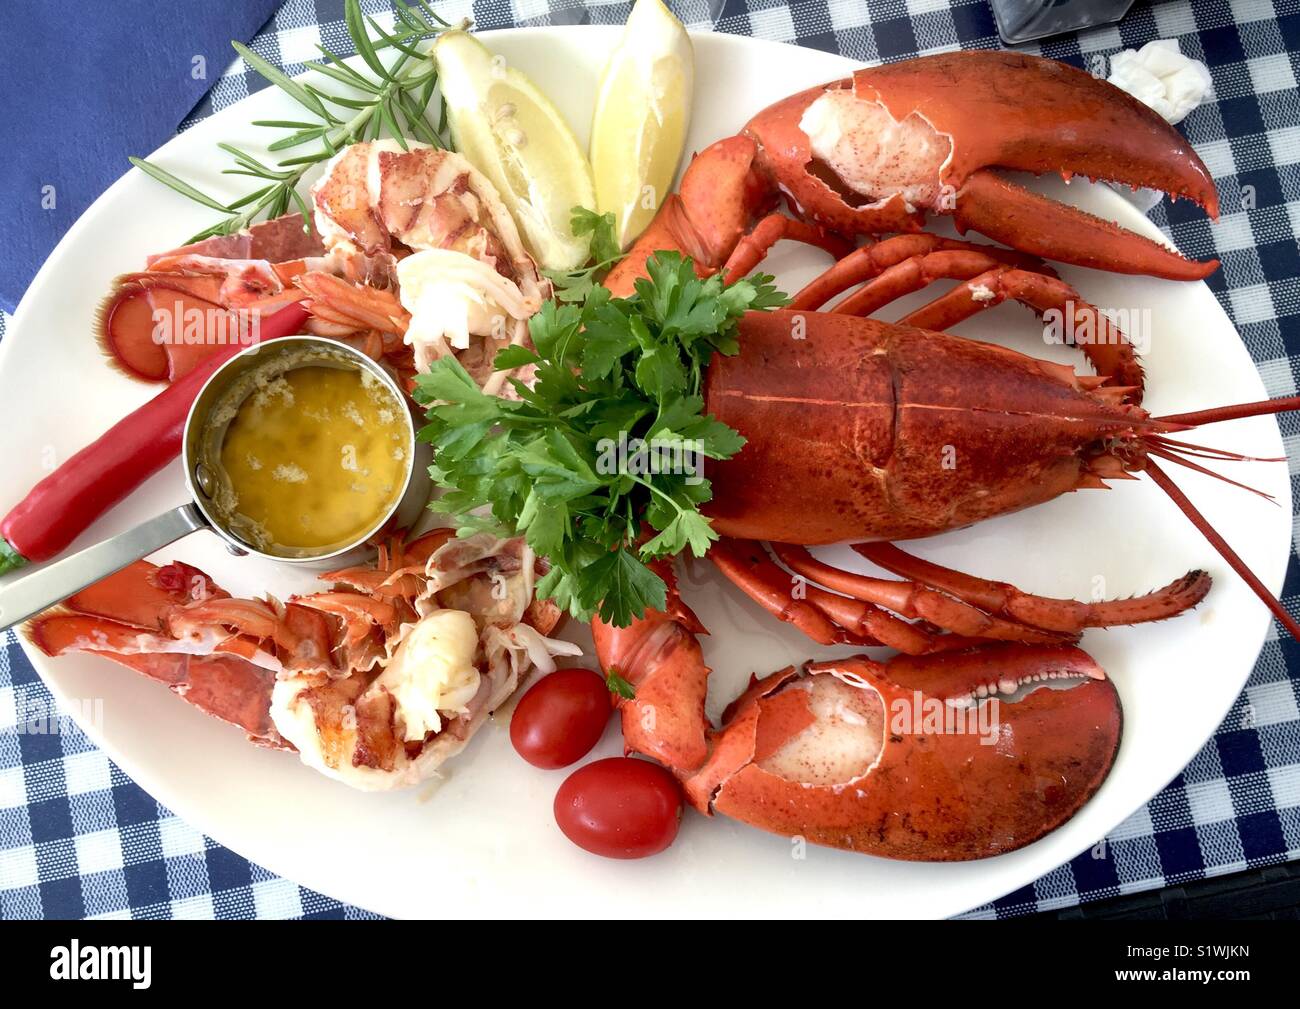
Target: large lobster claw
[
  {"x": 922, "y": 758},
  {"x": 876, "y": 152}
]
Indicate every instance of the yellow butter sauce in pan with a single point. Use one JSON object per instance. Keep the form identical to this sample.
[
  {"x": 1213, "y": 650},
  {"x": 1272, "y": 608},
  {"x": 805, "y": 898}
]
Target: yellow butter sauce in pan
[{"x": 314, "y": 456}]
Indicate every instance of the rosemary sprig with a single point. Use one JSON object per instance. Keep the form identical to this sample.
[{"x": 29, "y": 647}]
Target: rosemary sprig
[{"x": 394, "y": 99}]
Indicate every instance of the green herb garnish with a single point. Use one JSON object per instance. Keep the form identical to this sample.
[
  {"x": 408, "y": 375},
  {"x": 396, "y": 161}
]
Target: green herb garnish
[
  {"x": 610, "y": 439},
  {"x": 575, "y": 285},
  {"x": 392, "y": 101},
  {"x": 619, "y": 686}
]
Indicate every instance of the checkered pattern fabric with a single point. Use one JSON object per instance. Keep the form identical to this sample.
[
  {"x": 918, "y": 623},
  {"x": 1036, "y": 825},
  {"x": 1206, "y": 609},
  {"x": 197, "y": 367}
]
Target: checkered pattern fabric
[{"x": 77, "y": 838}]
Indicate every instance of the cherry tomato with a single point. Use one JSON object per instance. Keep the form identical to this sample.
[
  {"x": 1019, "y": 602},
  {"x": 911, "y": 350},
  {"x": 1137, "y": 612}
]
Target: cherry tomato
[
  {"x": 560, "y": 718},
  {"x": 619, "y": 807}
]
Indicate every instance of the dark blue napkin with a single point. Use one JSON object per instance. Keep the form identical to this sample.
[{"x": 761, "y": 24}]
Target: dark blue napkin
[{"x": 82, "y": 85}]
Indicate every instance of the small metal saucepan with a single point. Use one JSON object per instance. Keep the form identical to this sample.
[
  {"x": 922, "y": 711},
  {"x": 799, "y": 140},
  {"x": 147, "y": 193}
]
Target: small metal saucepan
[{"x": 27, "y": 596}]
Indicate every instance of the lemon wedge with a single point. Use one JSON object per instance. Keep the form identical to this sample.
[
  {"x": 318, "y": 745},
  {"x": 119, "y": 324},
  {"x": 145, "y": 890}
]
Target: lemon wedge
[
  {"x": 643, "y": 109},
  {"x": 512, "y": 133}
]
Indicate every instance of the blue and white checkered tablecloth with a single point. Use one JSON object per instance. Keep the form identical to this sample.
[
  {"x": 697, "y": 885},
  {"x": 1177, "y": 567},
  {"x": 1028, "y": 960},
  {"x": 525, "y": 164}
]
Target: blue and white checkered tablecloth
[{"x": 77, "y": 838}]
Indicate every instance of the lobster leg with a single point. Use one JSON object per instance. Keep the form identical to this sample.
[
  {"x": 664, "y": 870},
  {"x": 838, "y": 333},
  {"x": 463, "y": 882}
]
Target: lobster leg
[
  {"x": 990, "y": 281},
  {"x": 824, "y": 616},
  {"x": 1110, "y": 350},
  {"x": 915, "y": 599},
  {"x": 1067, "y": 616},
  {"x": 751, "y": 250},
  {"x": 870, "y": 261}
]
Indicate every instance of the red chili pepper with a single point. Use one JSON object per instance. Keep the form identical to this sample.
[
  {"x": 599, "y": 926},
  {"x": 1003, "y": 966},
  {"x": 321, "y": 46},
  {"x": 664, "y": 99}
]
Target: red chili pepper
[{"x": 60, "y": 507}]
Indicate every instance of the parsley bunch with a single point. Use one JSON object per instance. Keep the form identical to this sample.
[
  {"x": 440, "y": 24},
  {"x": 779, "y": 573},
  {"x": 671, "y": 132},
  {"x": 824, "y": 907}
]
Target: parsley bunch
[{"x": 608, "y": 370}]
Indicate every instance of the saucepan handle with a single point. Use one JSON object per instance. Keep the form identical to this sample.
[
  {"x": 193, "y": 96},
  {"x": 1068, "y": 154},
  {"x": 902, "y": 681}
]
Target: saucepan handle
[{"x": 30, "y": 594}]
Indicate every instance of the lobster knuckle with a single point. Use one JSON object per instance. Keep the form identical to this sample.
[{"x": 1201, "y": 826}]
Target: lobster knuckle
[
  {"x": 835, "y": 753},
  {"x": 720, "y": 198},
  {"x": 659, "y": 655}
]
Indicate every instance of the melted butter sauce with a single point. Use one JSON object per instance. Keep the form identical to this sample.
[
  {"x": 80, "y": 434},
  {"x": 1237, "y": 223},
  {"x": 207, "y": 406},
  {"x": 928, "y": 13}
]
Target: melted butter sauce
[{"x": 313, "y": 457}]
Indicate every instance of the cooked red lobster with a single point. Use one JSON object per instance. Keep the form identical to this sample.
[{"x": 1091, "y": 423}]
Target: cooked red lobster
[{"x": 848, "y": 421}]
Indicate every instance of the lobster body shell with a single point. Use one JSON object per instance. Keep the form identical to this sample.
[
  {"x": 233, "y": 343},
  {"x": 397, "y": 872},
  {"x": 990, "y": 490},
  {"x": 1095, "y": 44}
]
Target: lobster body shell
[{"x": 860, "y": 429}]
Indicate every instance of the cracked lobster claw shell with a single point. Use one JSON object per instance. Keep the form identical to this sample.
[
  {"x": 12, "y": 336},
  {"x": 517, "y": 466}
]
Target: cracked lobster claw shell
[
  {"x": 779, "y": 763},
  {"x": 1011, "y": 111}
]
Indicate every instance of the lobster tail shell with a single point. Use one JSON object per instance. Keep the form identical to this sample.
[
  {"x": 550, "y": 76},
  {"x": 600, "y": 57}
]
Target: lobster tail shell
[{"x": 847, "y": 754}]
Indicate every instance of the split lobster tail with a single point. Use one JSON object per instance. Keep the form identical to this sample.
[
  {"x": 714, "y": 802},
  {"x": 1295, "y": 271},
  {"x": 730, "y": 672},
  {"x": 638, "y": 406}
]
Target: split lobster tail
[{"x": 117, "y": 616}]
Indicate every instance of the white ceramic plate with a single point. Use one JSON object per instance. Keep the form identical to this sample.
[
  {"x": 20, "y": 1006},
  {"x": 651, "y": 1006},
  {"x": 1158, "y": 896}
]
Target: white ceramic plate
[{"x": 482, "y": 841}]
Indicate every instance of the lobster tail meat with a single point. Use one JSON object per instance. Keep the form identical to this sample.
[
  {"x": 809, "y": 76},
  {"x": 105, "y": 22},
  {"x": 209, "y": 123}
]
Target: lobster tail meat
[
  {"x": 878, "y": 151},
  {"x": 938, "y": 758}
]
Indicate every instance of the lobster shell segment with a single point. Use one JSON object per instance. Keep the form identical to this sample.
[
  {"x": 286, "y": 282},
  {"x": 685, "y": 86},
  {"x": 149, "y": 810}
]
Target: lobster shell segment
[
  {"x": 938, "y": 124},
  {"x": 897, "y": 759},
  {"x": 119, "y": 616}
]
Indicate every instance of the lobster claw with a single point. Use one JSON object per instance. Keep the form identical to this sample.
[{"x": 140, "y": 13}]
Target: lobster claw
[
  {"x": 901, "y": 760},
  {"x": 878, "y": 151}
]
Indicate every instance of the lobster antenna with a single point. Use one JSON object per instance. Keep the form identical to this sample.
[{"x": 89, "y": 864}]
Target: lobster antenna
[
  {"x": 1218, "y": 542},
  {"x": 1208, "y": 451},
  {"x": 1218, "y": 413},
  {"x": 1181, "y": 460}
]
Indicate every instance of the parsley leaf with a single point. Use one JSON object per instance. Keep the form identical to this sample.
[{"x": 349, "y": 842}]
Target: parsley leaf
[
  {"x": 575, "y": 285},
  {"x": 619, "y": 686},
  {"x": 599, "y": 465}
]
